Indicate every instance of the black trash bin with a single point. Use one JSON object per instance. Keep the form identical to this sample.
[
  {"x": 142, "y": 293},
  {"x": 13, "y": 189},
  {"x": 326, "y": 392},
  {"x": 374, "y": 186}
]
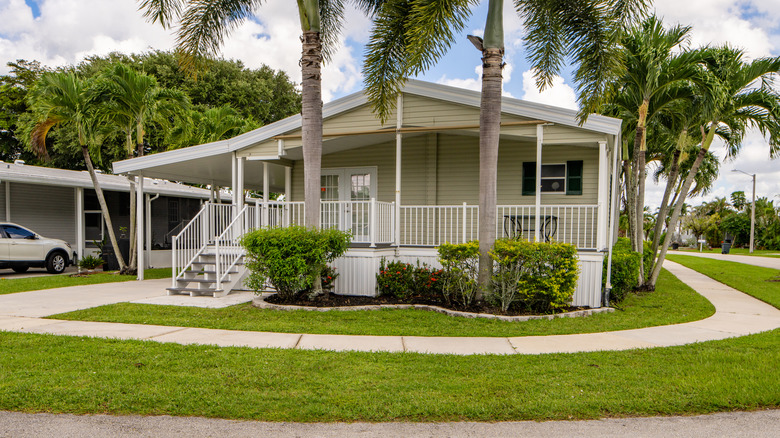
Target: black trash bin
[
  {"x": 675, "y": 245},
  {"x": 725, "y": 247},
  {"x": 109, "y": 257}
]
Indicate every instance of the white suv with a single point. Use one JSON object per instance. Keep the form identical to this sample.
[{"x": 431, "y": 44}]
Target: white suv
[{"x": 21, "y": 248}]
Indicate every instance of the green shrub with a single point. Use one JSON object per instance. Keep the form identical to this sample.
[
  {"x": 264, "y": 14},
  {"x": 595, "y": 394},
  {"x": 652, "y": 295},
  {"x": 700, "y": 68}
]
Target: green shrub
[
  {"x": 427, "y": 281},
  {"x": 90, "y": 262},
  {"x": 395, "y": 279},
  {"x": 404, "y": 280},
  {"x": 291, "y": 258},
  {"x": 548, "y": 275},
  {"x": 459, "y": 279},
  {"x": 625, "y": 269}
]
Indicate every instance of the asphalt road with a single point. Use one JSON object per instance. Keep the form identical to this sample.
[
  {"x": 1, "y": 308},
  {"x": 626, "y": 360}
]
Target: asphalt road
[{"x": 756, "y": 424}]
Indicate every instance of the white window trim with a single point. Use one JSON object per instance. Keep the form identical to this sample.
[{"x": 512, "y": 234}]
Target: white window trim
[{"x": 564, "y": 177}]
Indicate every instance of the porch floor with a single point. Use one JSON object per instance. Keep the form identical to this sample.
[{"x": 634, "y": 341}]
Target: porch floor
[{"x": 736, "y": 314}]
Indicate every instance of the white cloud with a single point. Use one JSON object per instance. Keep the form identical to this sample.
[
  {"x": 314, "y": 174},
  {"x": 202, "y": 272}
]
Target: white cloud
[
  {"x": 67, "y": 31},
  {"x": 559, "y": 94},
  {"x": 476, "y": 83}
]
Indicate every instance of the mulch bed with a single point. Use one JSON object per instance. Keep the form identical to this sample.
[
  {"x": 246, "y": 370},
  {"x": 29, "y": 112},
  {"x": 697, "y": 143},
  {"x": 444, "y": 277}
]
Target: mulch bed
[{"x": 333, "y": 300}]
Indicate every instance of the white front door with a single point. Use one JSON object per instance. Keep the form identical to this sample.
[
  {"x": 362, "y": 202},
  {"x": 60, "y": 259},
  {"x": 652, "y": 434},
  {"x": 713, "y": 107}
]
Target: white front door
[{"x": 347, "y": 194}]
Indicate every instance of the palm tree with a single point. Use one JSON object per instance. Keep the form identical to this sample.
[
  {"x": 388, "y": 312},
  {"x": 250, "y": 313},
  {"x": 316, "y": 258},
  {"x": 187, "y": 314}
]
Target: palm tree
[
  {"x": 133, "y": 101},
  {"x": 203, "y": 26},
  {"x": 653, "y": 82},
  {"x": 208, "y": 126},
  {"x": 62, "y": 99},
  {"x": 738, "y": 95},
  {"x": 411, "y": 35}
]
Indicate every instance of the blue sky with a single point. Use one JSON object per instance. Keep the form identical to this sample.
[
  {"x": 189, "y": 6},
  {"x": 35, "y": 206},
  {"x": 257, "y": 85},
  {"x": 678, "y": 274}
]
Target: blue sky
[{"x": 60, "y": 32}]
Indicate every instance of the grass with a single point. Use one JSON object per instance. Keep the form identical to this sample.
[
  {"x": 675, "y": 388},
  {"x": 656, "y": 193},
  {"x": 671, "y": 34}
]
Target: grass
[
  {"x": 44, "y": 373},
  {"x": 672, "y": 303},
  {"x": 762, "y": 283},
  {"x": 9, "y": 286},
  {"x": 735, "y": 251}
]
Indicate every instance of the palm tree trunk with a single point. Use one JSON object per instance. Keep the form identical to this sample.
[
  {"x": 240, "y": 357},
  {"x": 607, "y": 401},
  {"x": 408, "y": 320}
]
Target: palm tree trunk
[
  {"x": 104, "y": 208},
  {"x": 706, "y": 142},
  {"x": 671, "y": 182},
  {"x": 489, "y": 132},
  {"x": 131, "y": 267},
  {"x": 639, "y": 171},
  {"x": 311, "y": 125}
]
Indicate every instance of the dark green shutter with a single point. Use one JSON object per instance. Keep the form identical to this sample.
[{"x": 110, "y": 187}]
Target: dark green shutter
[
  {"x": 529, "y": 178},
  {"x": 574, "y": 177}
]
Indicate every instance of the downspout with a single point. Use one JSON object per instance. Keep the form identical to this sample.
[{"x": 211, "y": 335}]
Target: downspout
[{"x": 612, "y": 208}]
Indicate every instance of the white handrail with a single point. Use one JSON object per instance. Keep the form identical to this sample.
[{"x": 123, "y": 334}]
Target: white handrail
[
  {"x": 227, "y": 250},
  {"x": 192, "y": 240}
]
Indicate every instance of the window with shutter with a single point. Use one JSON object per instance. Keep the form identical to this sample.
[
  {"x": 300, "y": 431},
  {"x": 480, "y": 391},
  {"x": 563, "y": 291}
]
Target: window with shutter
[{"x": 574, "y": 177}]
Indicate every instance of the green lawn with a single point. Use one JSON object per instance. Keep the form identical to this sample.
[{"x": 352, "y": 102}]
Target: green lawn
[
  {"x": 44, "y": 373},
  {"x": 672, "y": 303},
  {"x": 9, "y": 286},
  {"x": 736, "y": 251},
  {"x": 762, "y": 283}
]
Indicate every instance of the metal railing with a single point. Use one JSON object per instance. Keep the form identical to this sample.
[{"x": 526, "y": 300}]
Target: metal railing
[
  {"x": 227, "y": 249},
  {"x": 432, "y": 225},
  {"x": 574, "y": 224},
  {"x": 193, "y": 239},
  {"x": 369, "y": 221}
]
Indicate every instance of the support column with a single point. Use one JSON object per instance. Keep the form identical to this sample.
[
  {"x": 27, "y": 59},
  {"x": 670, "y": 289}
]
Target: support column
[
  {"x": 539, "y": 140},
  {"x": 288, "y": 184},
  {"x": 399, "y": 122},
  {"x": 266, "y": 188},
  {"x": 8, "y": 201},
  {"x": 79, "y": 222},
  {"x": 148, "y": 223},
  {"x": 239, "y": 189},
  {"x": 603, "y": 197},
  {"x": 139, "y": 218},
  {"x": 233, "y": 174},
  {"x": 613, "y": 213}
]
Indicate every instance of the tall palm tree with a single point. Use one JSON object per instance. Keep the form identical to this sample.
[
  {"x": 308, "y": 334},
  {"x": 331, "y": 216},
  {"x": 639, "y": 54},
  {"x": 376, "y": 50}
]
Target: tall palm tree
[
  {"x": 411, "y": 35},
  {"x": 133, "y": 101},
  {"x": 203, "y": 26},
  {"x": 62, "y": 99},
  {"x": 211, "y": 125},
  {"x": 736, "y": 96},
  {"x": 653, "y": 80}
]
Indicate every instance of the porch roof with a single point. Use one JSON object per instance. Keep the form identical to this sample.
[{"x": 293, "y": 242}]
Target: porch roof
[{"x": 211, "y": 163}]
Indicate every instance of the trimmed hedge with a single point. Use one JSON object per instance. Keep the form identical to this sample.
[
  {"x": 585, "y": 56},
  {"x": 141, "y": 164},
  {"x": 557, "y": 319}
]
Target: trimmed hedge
[
  {"x": 461, "y": 264},
  {"x": 406, "y": 281},
  {"x": 291, "y": 258},
  {"x": 625, "y": 269},
  {"x": 536, "y": 277}
]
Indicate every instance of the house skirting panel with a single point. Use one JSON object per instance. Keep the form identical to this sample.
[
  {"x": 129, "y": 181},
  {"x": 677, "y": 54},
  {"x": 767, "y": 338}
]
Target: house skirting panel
[{"x": 357, "y": 271}]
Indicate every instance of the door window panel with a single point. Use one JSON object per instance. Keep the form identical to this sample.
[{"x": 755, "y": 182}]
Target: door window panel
[{"x": 17, "y": 232}]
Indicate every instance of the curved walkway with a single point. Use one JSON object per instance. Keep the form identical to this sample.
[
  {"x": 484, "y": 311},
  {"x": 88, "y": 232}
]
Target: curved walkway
[
  {"x": 764, "y": 262},
  {"x": 736, "y": 314}
]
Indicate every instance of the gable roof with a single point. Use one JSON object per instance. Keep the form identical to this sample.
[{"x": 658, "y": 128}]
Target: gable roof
[{"x": 517, "y": 107}]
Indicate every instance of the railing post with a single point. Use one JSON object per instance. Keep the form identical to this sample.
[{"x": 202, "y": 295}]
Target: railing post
[
  {"x": 174, "y": 272},
  {"x": 392, "y": 223},
  {"x": 218, "y": 274},
  {"x": 257, "y": 213},
  {"x": 372, "y": 223},
  {"x": 464, "y": 223}
]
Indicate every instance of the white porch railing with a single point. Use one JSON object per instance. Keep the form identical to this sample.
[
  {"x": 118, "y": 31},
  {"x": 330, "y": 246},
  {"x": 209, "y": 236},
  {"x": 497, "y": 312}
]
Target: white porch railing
[
  {"x": 372, "y": 222},
  {"x": 432, "y": 225},
  {"x": 227, "y": 249},
  {"x": 192, "y": 240}
]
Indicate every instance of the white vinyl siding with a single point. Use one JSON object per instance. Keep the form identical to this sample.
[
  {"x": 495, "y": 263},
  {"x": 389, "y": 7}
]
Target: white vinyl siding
[
  {"x": 2, "y": 201},
  {"x": 48, "y": 210}
]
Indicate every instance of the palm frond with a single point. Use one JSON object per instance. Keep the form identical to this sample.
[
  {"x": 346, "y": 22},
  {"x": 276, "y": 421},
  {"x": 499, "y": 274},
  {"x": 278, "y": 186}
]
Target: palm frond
[
  {"x": 164, "y": 11},
  {"x": 331, "y": 20}
]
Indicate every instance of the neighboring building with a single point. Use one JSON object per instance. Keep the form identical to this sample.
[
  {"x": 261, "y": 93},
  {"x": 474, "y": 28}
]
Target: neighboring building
[
  {"x": 62, "y": 204},
  {"x": 406, "y": 186}
]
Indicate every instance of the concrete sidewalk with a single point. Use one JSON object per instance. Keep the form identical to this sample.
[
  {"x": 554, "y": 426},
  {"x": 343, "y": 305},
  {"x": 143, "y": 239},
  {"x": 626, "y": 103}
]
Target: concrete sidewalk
[
  {"x": 737, "y": 314},
  {"x": 764, "y": 262}
]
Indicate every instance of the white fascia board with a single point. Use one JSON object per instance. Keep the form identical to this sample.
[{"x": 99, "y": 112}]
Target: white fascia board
[
  {"x": 171, "y": 157},
  {"x": 113, "y": 183},
  {"x": 548, "y": 113},
  {"x": 292, "y": 123}
]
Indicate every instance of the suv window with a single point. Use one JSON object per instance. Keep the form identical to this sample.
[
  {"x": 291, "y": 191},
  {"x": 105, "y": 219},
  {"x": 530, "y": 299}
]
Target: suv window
[{"x": 17, "y": 232}]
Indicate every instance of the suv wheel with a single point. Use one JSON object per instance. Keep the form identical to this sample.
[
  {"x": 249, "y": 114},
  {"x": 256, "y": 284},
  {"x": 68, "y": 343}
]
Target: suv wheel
[
  {"x": 56, "y": 263},
  {"x": 20, "y": 269}
]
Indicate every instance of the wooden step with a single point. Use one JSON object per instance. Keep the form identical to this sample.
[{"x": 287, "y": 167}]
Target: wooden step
[
  {"x": 208, "y": 272},
  {"x": 197, "y": 280}
]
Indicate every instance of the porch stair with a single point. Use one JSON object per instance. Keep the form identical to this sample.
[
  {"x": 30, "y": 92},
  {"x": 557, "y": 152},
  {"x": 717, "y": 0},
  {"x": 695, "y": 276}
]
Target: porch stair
[{"x": 200, "y": 278}]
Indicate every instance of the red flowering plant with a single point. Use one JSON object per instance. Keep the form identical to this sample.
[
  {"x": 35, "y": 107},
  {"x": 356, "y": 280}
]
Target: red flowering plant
[
  {"x": 395, "y": 279},
  {"x": 427, "y": 281},
  {"x": 328, "y": 277}
]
